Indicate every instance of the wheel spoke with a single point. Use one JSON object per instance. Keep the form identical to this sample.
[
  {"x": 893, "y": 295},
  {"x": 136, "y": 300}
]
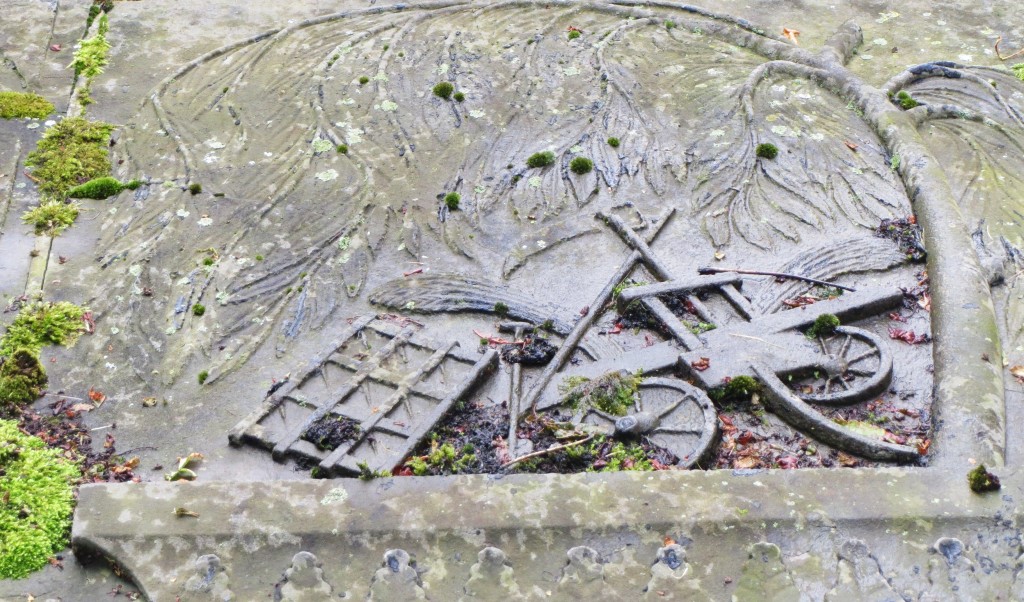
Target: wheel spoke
[
  {"x": 846, "y": 346},
  {"x": 824, "y": 347},
  {"x": 862, "y": 356},
  {"x": 845, "y": 384},
  {"x": 677, "y": 431},
  {"x": 859, "y": 372}
]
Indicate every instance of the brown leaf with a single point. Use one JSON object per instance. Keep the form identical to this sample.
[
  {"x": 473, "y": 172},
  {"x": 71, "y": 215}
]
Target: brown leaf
[
  {"x": 791, "y": 35},
  {"x": 747, "y": 462},
  {"x": 96, "y": 396},
  {"x": 82, "y": 407},
  {"x": 701, "y": 365},
  {"x": 1018, "y": 373}
]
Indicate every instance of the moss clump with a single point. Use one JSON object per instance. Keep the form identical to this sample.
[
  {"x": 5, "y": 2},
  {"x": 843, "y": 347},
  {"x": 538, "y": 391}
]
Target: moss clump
[
  {"x": 198, "y": 309},
  {"x": 459, "y": 97},
  {"x": 574, "y": 33},
  {"x": 444, "y": 90},
  {"x": 52, "y": 217},
  {"x": 613, "y": 142},
  {"x": 612, "y": 393},
  {"x": 195, "y": 188},
  {"x": 205, "y": 374},
  {"x": 739, "y": 388},
  {"x": 824, "y": 325},
  {"x": 581, "y": 165},
  {"x": 90, "y": 59},
  {"x": 22, "y": 378},
  {"x": 1018, "y": 70},
  {"x": 14, "y": 105},
  {"x": 98, "y": 189},
  {"x": 133, "y": 184},
  {"x": 627, "y": 456},
  {"x": 767, "y": 150},
  {"x": 342, "y": 149},
  {"x": 981, "y": 480},
  {"x": 43, "y": 323},
  {"x": 363, "y": 80},
  {"x": 70, "y": 153},
  {"x": 541, "y": 159},
  {"x": 442, "y": 459},
  {"x": 501, "y": 309},
  {"x": 451, "y": 200},
  {"x": 905, "y": 100},
  {"x": 35, "y": 515},
  {"x": 670, "y": 24}
]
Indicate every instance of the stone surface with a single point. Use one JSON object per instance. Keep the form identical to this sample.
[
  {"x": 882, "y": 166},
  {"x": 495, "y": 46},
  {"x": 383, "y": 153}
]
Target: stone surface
[{"x": 250, "y": 101}]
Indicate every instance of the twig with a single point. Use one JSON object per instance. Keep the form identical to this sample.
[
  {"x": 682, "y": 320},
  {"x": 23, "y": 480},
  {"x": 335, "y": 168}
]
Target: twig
[
  {"x": 707, "y": 271},
  {"x": 64, "y": 396},
  {"x": 100, "y": 428},
  {"x": 745, "y": 336},
  {"x": 1006, "y": 58},
  {"x": 547, "y": 451}
]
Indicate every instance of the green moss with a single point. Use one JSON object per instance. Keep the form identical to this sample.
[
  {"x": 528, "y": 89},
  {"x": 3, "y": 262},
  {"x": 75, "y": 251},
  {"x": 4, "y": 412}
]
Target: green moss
[
  {"x": 459, "y": 97},
  {"x": 91, "y": 58},
  {"x": 613, "y": 392},
  {"x": 627, "y": 456},
  {"x": 198, "y": 309},
  {"x": 444, "y": 90},
  {"x": 767, "y": 150},
  {"x": 43, "y": 323},
  {"x": 365, "y": 474},
  {"x": 133, "y": 184},
  {"x": 824, "y": 325},
  {"x": 581, "y": 165},
  {"x": 205, "y": 374},
  {"x": 195, "y": 188},
  {"x": 70, "y": 153},
  {"x": 905, "y": 100},
  {"x": 613, "y": 142},
  {"x": 442, "y": 459},
  {"x": 541, "y": 159},
  {"x": 739, "y": 388},
  {"x": 99, "y": 188},
  {"x": 699, "y": 327},
  {"x": 22, "y": 378},
  {"x": 14, "y": 105},
  {"x": 94, "y": 11},
  {"x": 342, "y": 149},
  {"x": 1018, "y": 70},
  {"x": 259, "y": 258},
  {"x": 51, "y": 217},
  {"x": 670, "y": 24},
  {"x": 575, "y": 33},
  {"x": 363, "y": 80},
  {"x": 451, "y": 200},
  {"x": 35, "y": 513},
  {"x": 981, "y": 480},
  {"x": 501, "y": 309}
]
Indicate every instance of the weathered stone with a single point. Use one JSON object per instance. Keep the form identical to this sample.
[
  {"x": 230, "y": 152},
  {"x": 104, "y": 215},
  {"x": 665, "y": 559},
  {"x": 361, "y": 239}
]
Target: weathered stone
[
  {"x": 583, "y": 575},
  {"x": 859, "y": 576},
  {"x": 210, "y": 583},
  {"x": 396, "y": 579},
  {"x": 303, "y": 581},
  {"x": 491, "y": 578},
  {"x": 765, "y": 577},
  {"x": 672, "y": 578}
]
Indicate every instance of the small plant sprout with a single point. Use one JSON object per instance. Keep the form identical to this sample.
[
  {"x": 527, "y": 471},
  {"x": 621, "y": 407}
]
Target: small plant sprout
[
  {"x": 203, "y": 376},
  {"x": 198, "y": 309},
  {"x": 574, "y": 32},
  {"x": 767, "y": 150},
  {"x": 183, "y": 472},
  {"x": 670, "y": 24},
  {"x": 342, "y": 149},
  {"x": 541, "y": 159},
  {"x": 451, "y": 201},
  {"x": 501, "y": 309},
  {"x": 581, "y": 165},
  {"x": 195, "y": 188},
  {"x": 613, "y": 142},
  {"x": 459, "y": 97},
  {"x": 363, "y": 80},
  {"x": 444, "y": 90}
]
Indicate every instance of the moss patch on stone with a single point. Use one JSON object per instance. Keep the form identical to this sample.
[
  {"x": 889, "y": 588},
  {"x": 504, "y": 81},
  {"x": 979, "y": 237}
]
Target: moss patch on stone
[
  {"x": 22, "y": 378},
  {"x": 36, "y": 514},
  {"x": 14, "y": 105},
  {"x": 43, "y": 323},
  {"x": 51, "y": 217},
  {"x": 97, "y": 189},
  {"x": 71, "y": 153}
]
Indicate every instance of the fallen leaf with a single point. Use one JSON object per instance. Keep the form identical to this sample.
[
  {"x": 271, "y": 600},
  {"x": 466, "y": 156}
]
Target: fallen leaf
[
  {"x": 719, "y": 256},
  {"x": 791, "y": 35},
  {"x": 850, "y": 145},
  {"x": 96, "y": 396},
  {"x": 788, "y": 462},
  {"x": 865, "y": 429},
  {"x": 55, "y": 47},
  {"x": 82, "y": 407},
  {"x": 747, "y": 463},
  {"x": 179, "y": 512},
  {"x": 1018, "y": 373},
  {"x": 925, "y": 302},
  {"x": 701, "y": 365},
  {"x": 148, "y": 402}
]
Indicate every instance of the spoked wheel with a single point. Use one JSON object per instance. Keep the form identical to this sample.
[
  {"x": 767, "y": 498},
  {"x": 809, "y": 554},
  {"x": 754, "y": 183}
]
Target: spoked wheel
[
  {"x": 669, "y": 413},
  {"x": 851, "y": 365}
]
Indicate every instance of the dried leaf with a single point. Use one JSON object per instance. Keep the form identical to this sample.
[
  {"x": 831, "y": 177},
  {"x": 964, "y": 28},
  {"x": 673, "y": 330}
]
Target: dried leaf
[
  {"x": 791, "y": 35},
  {"x": 925, "y": 302},
  {"x": 865, "y": 429},
  {"x": 82, "y": 407},
  {"x": 96, "y": 396},
  {"x": 148, "y": 402},
  {"x": 701, "y": 365},
  {"x": 747, "y": 462}
]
